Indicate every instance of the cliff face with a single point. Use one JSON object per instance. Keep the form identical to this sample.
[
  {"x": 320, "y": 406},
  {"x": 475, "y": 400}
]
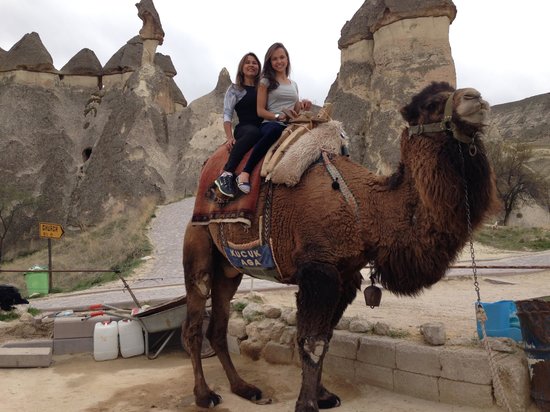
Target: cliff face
[
  {"x": 527, "y": 121},
  {"x": 87, "y": 142},
  {"x": 389, "y": 51}
]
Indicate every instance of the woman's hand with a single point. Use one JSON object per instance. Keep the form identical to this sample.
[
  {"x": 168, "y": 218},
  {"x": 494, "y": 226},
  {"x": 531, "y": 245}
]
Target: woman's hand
[
  {"x": 230, "y": 142},
  {"x": 305, "y": 104}
]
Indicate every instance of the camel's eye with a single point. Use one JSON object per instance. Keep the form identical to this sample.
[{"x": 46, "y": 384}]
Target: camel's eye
[
  {"x": 472, "y": 96},
  {"x": 431, "y": 106}
]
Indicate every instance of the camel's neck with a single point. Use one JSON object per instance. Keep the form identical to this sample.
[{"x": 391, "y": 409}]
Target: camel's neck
[{"x": 416, "y": 222}]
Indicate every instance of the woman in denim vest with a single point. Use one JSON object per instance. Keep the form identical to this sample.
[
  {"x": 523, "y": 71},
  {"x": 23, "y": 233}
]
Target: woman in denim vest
[{"x": 240, "y": 98}]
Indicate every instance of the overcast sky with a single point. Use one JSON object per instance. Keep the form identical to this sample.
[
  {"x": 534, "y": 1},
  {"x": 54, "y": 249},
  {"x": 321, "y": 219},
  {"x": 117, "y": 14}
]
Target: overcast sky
[{"x": 499, "y": 46}]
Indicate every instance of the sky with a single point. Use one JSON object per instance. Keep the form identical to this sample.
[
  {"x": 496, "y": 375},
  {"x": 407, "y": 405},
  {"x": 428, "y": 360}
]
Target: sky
[{"x": 498, "y": 46}]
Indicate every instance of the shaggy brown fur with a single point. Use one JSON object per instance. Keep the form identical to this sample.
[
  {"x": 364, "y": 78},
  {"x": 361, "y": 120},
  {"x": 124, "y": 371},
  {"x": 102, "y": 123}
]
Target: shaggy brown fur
[{"x": 410, "y": 225}]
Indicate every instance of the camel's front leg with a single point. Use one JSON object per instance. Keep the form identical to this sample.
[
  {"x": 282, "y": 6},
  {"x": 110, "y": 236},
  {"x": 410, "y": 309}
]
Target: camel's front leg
[
  {"x": 198, "y": 268},
  {"x": 317, "y": 301},
  {"x": 226, "y": 282}
]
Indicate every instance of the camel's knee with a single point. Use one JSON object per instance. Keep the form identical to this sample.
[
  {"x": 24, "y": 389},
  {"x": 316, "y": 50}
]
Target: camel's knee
[
  {"x": 314, "y": 349},
  {"x": 200, "y": 283}
]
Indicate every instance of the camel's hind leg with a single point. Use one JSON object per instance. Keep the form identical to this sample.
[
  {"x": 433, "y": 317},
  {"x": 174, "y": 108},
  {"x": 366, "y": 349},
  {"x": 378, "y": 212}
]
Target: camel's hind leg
[
  {"x": 198, "y": 268},
  {"x": 225, "y": 284},
  {"x": 325, "y": 398},
  {"x": 317, "y": 301}
]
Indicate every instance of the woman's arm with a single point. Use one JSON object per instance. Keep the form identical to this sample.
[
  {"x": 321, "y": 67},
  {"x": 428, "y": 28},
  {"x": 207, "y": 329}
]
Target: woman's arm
[{"x": 229, "y": 103}]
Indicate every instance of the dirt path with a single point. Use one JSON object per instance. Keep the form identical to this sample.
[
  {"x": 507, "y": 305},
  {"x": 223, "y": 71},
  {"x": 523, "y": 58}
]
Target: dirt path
[{"x": 78, "y": 383}]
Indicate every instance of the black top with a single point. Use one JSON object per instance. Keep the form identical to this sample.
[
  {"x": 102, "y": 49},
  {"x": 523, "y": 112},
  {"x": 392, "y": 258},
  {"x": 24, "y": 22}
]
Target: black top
[{"x": 246, "y": 108}]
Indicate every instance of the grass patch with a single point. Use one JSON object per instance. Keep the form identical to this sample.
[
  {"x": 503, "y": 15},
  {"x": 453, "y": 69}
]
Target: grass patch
[
  {"x": 118, "y": 243},
  {"x": 33, "y": 311},
  {"x": 8, "y": 316},
  {"x": 514, "y": 238}
]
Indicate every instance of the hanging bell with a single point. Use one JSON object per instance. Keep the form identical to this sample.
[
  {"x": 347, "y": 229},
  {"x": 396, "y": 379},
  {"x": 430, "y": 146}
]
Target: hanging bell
[{"x": 373, "y": 296}]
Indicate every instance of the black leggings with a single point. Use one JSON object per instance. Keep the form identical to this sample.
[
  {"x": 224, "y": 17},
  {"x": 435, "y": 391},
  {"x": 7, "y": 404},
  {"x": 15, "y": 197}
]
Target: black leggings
[
  {"x": 246, "y": 136},
  {"x": 271, "y": 131}
]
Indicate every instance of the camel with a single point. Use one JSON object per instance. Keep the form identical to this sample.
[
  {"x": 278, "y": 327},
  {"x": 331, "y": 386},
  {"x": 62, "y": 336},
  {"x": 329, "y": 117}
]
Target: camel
[{"x": 410, "y": 226}]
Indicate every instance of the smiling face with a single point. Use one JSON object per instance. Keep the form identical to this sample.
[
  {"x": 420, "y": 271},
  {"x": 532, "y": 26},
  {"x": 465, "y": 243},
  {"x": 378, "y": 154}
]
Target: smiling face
[
  {"x": 279, "y": 61},
  {"x": 251, "y": 67}
]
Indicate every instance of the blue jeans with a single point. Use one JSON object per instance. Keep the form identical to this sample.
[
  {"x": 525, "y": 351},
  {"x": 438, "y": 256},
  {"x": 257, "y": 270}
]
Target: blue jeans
[{"x": 270, "y": 133}]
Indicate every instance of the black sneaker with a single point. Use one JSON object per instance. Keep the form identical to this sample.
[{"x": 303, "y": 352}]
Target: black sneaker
[{"x": 225, "y": 185}]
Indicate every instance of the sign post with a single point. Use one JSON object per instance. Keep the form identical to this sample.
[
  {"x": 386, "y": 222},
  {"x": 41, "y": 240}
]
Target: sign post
[{"x": 50, "y": 231}]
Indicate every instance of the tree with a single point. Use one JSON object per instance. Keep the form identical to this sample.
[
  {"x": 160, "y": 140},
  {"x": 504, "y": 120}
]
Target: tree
[
  {"x": 516, "y": 182},
  {"x": 12, "y": 203}
]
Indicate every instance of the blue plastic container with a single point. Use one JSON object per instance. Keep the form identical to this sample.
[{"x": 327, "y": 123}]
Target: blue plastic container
[{"x": 502, "y": 320}]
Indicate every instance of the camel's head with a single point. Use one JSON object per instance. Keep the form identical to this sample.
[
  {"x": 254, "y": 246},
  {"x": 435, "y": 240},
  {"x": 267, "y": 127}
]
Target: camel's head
[{"x": 439, "y": 107}]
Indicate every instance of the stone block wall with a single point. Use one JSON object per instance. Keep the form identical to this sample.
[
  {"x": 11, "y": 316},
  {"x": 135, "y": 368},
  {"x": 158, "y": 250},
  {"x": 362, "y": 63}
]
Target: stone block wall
[{"x": 450, "y": 374}]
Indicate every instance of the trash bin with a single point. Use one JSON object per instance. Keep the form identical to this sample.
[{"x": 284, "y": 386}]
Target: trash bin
[
  {"x": 502, "y": 320},
  {"x": 534, "y": 317},
  {"x": 37, "y": 282}
]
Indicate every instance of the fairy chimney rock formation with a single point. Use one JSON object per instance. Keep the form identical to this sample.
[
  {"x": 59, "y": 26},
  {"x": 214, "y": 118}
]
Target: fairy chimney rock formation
[
  {"x": 151, "y": 32},
  {"x": 390, "y": 50},
  {"x": 29, "y": 62},
  {"x": 82, "y": 70}
]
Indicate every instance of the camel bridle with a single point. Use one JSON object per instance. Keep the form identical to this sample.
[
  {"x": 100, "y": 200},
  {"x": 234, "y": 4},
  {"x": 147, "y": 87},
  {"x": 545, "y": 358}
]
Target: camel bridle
[{"x": 445, "y": 125}]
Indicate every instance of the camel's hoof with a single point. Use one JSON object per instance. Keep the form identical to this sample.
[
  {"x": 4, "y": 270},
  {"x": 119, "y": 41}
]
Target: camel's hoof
[
  {"x": 209, "y": 401},
  {"x": 331, "y": 401},
  {"x": 306, "y": 407},
  {"x": 249, "y": 392}
]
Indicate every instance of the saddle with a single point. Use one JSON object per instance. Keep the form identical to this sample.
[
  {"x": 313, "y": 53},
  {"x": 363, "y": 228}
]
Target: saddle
[{"x": 300, "y": 145}]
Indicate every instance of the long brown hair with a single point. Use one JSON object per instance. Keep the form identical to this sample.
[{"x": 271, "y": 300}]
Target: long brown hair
[
  {"x": 240, "y": 73},
  {"x": 269, "y": 71}
]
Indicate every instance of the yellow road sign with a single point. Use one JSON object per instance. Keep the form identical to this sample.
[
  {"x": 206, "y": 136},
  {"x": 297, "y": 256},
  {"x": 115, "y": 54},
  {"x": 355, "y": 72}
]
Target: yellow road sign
[{"x": 51, "y": 230}]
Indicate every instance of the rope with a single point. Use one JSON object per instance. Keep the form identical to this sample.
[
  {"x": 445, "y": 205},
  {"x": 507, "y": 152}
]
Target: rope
[{"x": 481, "y": 316}]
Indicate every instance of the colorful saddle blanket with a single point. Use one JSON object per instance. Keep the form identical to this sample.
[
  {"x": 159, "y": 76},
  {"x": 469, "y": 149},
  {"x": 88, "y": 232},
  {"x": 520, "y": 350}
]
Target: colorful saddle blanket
[{"x": 211, "y": 207}]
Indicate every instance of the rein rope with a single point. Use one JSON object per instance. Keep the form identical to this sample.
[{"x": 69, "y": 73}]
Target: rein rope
[
  {"x": 481, "y": 316},
  {"x": 338, "y": 183}
]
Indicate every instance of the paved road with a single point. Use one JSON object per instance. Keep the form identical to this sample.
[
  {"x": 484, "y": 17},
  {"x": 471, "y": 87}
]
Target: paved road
[{"x": 161, "y": 276}]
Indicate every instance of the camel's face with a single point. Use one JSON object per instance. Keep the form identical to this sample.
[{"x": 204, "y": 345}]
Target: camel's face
[{"x": 470, "y": 107}]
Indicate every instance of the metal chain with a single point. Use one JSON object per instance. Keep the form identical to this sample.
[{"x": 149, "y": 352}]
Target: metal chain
[
  {"x": 267, "y": 212},
  {"x": 480, "y": 312}
]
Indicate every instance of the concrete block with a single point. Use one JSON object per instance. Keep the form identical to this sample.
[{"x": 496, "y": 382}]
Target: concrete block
[
  {"x": 32, "y": 343},
  {"x": 424, "y": 360},
  {"x": 277, "y": 353},
  {"x": 76, "y": 327},
  {"x": 25, "y": 357},
  {"x": 340, "y": 367},
  {"x": 344, "y": 345},
  {"x": 374, "y": 375},
  {"x": 465, "y": 365},
  {"x": 75, "y": 345},
  {"x": 513, "y": 372},
  {"x": 465, "y": 393},
  {"x": 416, "y": 385},
  {"x": 377, "y": 350}
]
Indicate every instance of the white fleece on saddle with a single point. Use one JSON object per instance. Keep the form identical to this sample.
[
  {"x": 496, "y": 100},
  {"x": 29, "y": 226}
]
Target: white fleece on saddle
[{"x": 306, "y": 150}]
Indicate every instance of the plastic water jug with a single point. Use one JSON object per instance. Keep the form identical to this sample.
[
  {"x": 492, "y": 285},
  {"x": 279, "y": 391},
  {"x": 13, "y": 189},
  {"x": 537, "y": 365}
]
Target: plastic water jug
[
  {"x": 131, "y": 338},
  {"x": 105, "y": 341}
]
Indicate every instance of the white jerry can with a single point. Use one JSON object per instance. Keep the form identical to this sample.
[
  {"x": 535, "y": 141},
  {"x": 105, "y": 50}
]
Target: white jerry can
[
  {"x": 105, "y": 341},
  {"x": 131, "y": 338}
]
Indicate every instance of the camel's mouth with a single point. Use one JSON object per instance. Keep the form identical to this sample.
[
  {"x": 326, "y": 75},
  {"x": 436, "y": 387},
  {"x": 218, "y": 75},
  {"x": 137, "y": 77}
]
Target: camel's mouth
[{"x": 471, "y": 107}]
